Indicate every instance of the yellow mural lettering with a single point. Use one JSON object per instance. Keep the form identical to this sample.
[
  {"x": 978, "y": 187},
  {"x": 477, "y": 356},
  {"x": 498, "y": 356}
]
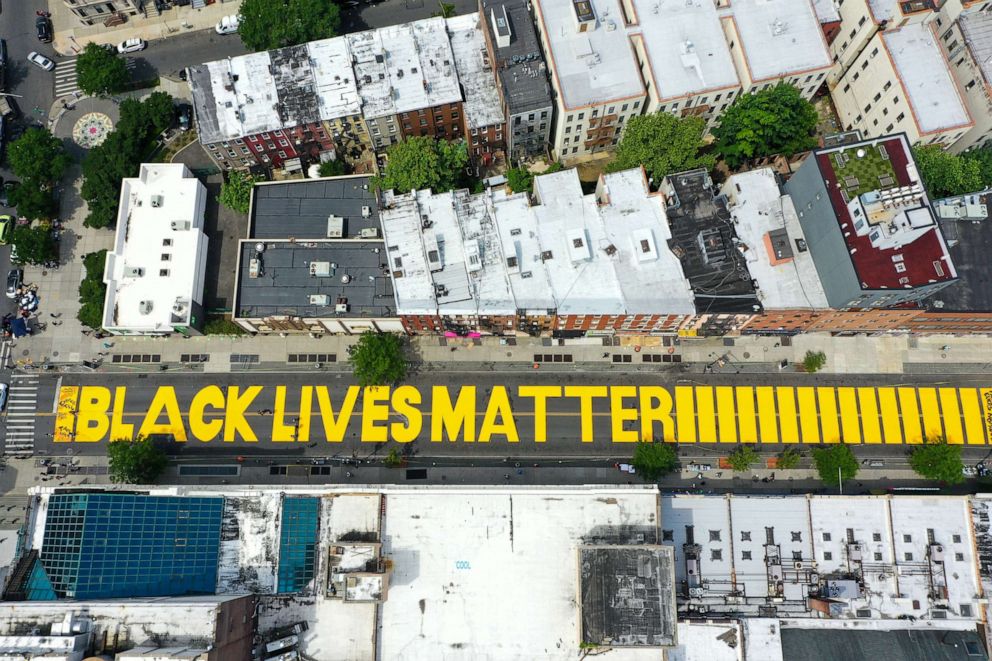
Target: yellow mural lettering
[
  {"x": 620, "y": 416},
  {"x": 234, "y": 414},
  {"x": 92, "y": 421},
  {"x": 540, "y": 395},
  {"x": 375, "y": 409},
  {"x": 405, "y": 401},
  {"x": 303, "y": 422},
  {"x": 336, "y": 426},
  {"x": 498, "y": 408},
  {"x": 281, "y": 432},
  {"x": 200, "y": 428},
  {"x": 452, "y": 419},
  {"x": 119, "y": 428},
  {"x": 164, "y": 402},
  {"x": 586, "y": 394},
  {"x": 656, "y": 407}
]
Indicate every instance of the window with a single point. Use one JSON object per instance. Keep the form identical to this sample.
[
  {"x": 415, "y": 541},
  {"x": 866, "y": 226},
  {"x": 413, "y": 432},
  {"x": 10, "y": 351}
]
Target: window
[
  {"x": 716, "y": 554},
  {"x": 166, "y": 257},
  {"x": 166, "y": 242},
  {"x": 283, "y": 142},
  {"x": 745, "y": 555},
  {"x": 878, "y": 557},
  {"x": 826, "y": 537},
  {"x": 745, "y": 535},
  {"x": 582, "y": 115},
  {"x": 797, "y": 536},
  {"x": 956, "y": 539},
  {"x": 908, "y": 557},
  {"x": 714, "y": 535},
  {"x": 907, "y": 538},
  {"x": 959, "y": 557},
  {"x": 163, "y": 272},
  {"x": 827, "y": 555},
  {"x": 667, "y": 535},
  {"x": 797, "y": 555}
]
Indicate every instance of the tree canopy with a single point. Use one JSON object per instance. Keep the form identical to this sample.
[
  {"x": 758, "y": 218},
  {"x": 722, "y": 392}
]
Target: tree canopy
[
  {"x": 38, "y": 157},
  {"x": 777, "y": 120},
  {"x": 235, "y": 192},
  {"x": 377, "y": 359},
  {"x": 789, "y": 458},
  {"x": 92, "y": 290},
  {"x": 829, "y": 459},
  {"x": 654, "y": 460},
  {"x": 663, "y": 144},
  {"x": 945, "y": 174},
  {"x": 982, "y": 157},
  {"x": 335, "y": 168},
  {"x": 101, "y": 71},
  {"x": 520, "y": 180},
  {"x": 814, "y": 361},
  {"x": 33, "y": 201},
  {"x": 121, "y": 154},
  {"x": 269, "y": 24},
  {"x": 35, "y": 245},
  {"x": 742, "y": 458},
  {"x": 936, "y": 460},
  {"x": 135, "y": 462},
  {"x": 423, "y": 162}
]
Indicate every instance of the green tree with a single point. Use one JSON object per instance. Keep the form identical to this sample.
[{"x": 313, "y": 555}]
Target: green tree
[
  {"x": 742, "y": 458},
  {"x": 235, "y": 193},
  {"x": 159, "y": 111},
  {"x": 269, "y": 24},
  {"x": 335, "y": 168},
  {"x": 983, "y": 158},
  {"x": 33, "y": 201},
  {"x": 945, "y": 174},
  {"x": 424, "y": 162},
  {"x": 100, "y": 71},
  {"x": 34, "y": 245},
  {"x": 789, "y": 458},
  {"x": 777, "y": 120},
  {"x": 92, "y": 290},
  {"x": 377, "y": 359},
  {"x": 554, "y": 167},
  {"x": 814, "y": 361},
  {"x": 663, "y": 144},
  {"x": 219, "y": 325},
  {"x": 520, "y": 180},
  {"x": 38, "y": 157},
  {"x": 936, "y": 460},
  {"x": 445, "y": 10},
  {"x": 135, "y": 462},
  {"x": 393, "y": 458},
  {"x": 653, "y": 460},
  {"x": 833, "y": 461}
]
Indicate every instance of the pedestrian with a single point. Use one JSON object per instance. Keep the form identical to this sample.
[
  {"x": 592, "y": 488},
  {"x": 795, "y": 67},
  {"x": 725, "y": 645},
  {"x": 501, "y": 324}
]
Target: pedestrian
[{"x": 506, "y": 477}]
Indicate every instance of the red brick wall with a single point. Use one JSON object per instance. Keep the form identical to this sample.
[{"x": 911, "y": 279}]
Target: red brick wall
[{"x": 443, "y": 121}]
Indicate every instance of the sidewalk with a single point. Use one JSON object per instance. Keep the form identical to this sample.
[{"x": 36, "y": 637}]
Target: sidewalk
[
  {"x": 71, "y": 35},
  {"x": 66, "y": 345}
]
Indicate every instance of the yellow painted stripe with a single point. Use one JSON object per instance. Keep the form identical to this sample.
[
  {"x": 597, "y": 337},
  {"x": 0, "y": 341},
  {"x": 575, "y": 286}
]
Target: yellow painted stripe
[
  {"x": 951, "y": 415},
  {"x": 974, "y": 423},
  {"x": 65, "y": 417},
  {"x": 890, "y": 416},
  {"x": 705, "y": 414},
  {"x": 985, "y": 395},
  {"x": 869, "y": 415},
  {"x": 848, "y": 403},
  {"x": 931, "y": 413},
  {"x": 727, "y": 414},
  {"x": 910, "y": 415},
  {"x": 685, "y": 410},
  {"x": 828, "y": 415},
  {"x": 766, "y": 414},
  {"x": 808, "y": 419},
  {"x": 746, "y": 415},
  {"x": 787, "y": 415}
]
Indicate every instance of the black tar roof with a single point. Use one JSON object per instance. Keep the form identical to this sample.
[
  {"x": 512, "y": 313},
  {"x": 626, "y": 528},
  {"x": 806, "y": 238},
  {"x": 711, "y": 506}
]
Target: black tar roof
[
  {"x": 285, "y": 280},
  {"x": 907, "y": 645},
  {"x": 970, "y": 243},
  {"x": 525, "y": 83},
  {"x": 299, "y": 209},
  {"x": 703, "y": 239}
]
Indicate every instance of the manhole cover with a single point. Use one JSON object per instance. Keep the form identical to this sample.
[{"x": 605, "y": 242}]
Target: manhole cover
[
  {"x": 55, "y": 354},
  {"x": 747, "y": 355},
  {"x": 25, "y": 352},
  {"x": 91, "y": 129}
]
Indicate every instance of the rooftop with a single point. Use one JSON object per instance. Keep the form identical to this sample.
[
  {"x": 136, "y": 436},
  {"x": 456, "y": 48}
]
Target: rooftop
[
  {"x": 977, "y": 30},
  {"x": 628, "y": 596},
  {"x": 780, "y": 37},
  {"x": 773, "y": 243},
  {"x": 686, "y": 46},
  {"x": 302, "y": 209},
  {"x": 893, "y": 10},
  {"x": 966, "y": 224},
  {"x": 703, "y": 239},
  {"x": 900, "y": 245},
  {"x": 524, "y": 75},
  {"x": 591, "y": 54},
  {"x": 154, "y": 273},
  {"x": 927, "y": 79},
  {"x": 310, "y": 279},
  {"x": 827, "y": 11},
  {"x": 475, "y": 73},
  {"x": 806, "y": 644}
]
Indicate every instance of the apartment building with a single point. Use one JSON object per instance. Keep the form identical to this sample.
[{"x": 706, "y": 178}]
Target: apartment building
[
  {"x": 828, "y": 13},
  {"x": 524, "y": 89},
  {"x": 91, "y": 12},
  {"x": 775, "y": 41},
  {"x": 901, "y": 82},
  {"x": 968, "y": 43}
]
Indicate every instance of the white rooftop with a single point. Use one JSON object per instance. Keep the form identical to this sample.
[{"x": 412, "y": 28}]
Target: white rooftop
[
  {"x": 334, "y": 80},
  {"x": 758, "y": 208},
  {"x": 592, "y": 67},
  {"x": 927, "y": 79},
  {"x": 482, "y": 105},
  {"x": 503, "y": 584},
  {"x": 494, "y": 254},
  {"x": 780, "y": 37},
  {"x": 890, "y": 10},
  {"x": 155, "y": 272},
  {"x": 686, "y": 46},
  {"x": 827, "y": 11}
]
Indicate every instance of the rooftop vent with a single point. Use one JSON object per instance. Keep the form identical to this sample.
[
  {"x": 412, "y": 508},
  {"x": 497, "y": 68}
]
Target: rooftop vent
[
  {"x": 133, "y": 271},
  {"x": 145, "y": 307},
  {"x": 320, "y": 269},
  {"x": 180, "y": 225},
  {"x": 157, "y": 201},
  {"x": 320, "y": 299}
]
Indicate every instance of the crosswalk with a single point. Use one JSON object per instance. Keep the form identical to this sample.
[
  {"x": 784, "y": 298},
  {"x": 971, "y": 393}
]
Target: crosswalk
[
  {"x": 22, "y": 405},
  {"x": 66, "y": 78}
]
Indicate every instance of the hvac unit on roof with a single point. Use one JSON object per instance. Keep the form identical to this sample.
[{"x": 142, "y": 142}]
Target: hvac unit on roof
[
  {"x": 145, "y": 307},
  {"x": 156, "y": 201},
  {"x": 320, "y": 269},
  {"x": 320, "y": 299},
  {"x": 366, "y": 212},
  {"x": 180, "y": 225}
]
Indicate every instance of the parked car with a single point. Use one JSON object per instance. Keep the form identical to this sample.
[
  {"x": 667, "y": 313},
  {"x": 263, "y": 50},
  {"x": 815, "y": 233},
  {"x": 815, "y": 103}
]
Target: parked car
[
  {"x": 14, "y": 279},
  {"x": 40, "y": 60},
  {"x": 3, "y": 395},
  {"x": 132, "y": 45},
  {"x": 184, "y": 115},
  {"x": 228, "y": 25},
  {"x": 5, "y": 191},
  {"x": 6, "y": 227},
  {"x": 43, "y": 25}
]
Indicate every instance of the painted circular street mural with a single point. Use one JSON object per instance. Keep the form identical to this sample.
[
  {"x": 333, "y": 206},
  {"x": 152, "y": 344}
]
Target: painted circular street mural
[{"x": 92, "y": 129}]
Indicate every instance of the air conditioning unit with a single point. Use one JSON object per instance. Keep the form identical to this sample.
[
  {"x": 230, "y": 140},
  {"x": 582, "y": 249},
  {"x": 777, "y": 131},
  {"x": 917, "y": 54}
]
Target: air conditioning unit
[
  {"x": 936, "y": 553},
  {"x": 320, "y": 299},
  {"x": 157, "y": 201},
  {"x": 341, "y": 307},
  {"x": 180, "y": 225},
  {"x": 320, "y": 269},
  {"x": 366, "y": 212},
  {"x": 369, "y": 233},
  {"x": 133, "y": 271},
  {"x": 145, "y": 307},
  {"x": 335, "y": 227}
]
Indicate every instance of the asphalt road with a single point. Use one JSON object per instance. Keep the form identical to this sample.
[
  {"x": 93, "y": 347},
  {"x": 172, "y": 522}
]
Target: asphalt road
[
  {"x": 170, "y": 56},
  {"x": 564, "y": 421}
]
